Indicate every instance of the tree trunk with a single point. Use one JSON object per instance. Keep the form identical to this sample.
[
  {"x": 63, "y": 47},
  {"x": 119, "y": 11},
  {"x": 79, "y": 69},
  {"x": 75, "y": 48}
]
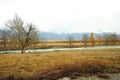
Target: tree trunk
[{"x": 23, "y": 50}]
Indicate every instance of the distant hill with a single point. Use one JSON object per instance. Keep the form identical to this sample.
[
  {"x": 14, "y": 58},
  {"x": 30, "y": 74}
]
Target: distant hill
[{"x": 64, "y": 36}]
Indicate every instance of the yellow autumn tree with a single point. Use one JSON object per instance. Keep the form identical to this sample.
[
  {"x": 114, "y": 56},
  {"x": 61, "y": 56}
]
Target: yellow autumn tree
[
  {"x": 92, "y": 41},
  {"x": 99, "y": 39}
]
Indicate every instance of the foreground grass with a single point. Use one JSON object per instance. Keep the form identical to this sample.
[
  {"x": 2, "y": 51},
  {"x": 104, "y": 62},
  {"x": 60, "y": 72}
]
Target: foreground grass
[{"x": 53, "y": 65}]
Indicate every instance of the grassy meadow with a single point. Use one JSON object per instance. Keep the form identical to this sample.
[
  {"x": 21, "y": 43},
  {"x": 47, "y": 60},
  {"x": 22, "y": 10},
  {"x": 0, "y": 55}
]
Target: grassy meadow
[{"x": 56, "y": 64}]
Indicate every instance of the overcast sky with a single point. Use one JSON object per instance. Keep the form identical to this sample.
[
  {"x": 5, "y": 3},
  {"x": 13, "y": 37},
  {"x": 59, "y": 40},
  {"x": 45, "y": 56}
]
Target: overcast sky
[{"x": 65, "y": 16}]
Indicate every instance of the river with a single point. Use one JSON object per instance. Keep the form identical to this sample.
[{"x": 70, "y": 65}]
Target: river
[{"x": 61, "y": 49}]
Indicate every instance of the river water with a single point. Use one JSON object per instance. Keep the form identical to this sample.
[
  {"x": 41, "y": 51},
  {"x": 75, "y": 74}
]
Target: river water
[{"x": 60, "y": 49}]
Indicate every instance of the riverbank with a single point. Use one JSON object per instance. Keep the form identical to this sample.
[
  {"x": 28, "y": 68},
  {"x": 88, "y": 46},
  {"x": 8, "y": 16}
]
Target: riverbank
[
  {"x": 61, "y": 49},
  {"x": 54, "y": 65}
]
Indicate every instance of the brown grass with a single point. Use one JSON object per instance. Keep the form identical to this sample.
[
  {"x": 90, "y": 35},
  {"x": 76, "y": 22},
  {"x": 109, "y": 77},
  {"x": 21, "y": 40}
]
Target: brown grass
[{"x": 53, "y": 65}]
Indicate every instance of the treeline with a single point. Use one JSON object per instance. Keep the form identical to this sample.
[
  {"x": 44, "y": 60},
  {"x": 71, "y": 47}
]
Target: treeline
[{"x": 100, "y": 39}]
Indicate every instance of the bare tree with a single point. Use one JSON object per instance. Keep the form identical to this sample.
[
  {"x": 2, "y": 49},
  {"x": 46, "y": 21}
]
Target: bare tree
[
  {"x": 5, "y": 37},
  {"x": 110, "y": 39},
  {"x": 106, "y": 39},
  {"x": 85, "y": 39},
  {"x": 113, "y": 38},
  {"x": 13, "y": 42},
  {"x": 34, "y": 38},
  {"x": 70, "y": 40},
  {"x": 22, "y": 32}
]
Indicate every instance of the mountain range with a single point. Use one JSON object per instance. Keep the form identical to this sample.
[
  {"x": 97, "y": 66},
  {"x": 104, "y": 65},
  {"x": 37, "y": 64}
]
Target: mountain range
[{"x": 64, "y": 36}]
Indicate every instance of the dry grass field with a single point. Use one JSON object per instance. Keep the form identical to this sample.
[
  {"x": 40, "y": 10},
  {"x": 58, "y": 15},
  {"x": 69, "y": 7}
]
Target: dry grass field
[{"x": 56, "y": 64}]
